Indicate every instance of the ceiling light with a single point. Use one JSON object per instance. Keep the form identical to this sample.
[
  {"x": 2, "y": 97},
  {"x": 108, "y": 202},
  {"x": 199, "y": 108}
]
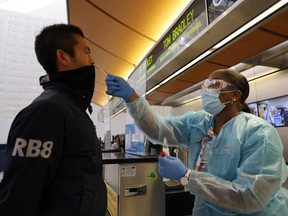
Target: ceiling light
[
  {"x": 258, "y": 72},
  {"x": 24, "y": 6},
  {"x": 192, "y": 99},
  {"x": 152, "y": 89},
  {"x": 117, "y": 112}
]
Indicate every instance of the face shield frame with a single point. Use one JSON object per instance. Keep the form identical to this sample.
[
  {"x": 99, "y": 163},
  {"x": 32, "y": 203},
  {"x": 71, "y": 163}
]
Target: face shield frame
[{"x": 216, "y": 84}]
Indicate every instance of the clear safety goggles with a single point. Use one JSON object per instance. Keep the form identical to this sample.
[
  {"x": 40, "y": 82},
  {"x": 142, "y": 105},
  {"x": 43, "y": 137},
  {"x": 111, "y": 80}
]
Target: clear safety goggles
[{"x": 216, "y": 84}]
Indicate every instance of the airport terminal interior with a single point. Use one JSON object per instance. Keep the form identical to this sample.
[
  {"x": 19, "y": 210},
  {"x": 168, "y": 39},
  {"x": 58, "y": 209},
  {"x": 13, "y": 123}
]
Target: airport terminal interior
[{"x": 165, "y": 50}]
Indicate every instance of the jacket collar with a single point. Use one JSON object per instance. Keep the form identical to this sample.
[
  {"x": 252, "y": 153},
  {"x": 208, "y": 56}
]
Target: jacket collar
[{"x": 79, "y": 83}]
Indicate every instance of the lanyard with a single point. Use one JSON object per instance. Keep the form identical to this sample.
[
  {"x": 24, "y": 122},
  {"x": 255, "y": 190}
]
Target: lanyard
[{"x": 204, "y": 142}]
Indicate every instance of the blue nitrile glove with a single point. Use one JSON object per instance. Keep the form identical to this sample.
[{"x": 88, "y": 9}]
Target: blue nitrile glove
[
  {"x": 171, "y": 167},
  {"x": 118, "y": 87}
]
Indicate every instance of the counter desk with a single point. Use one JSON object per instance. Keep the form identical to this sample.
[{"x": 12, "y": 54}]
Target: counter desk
[
  {"x": 133, "y": 185},
  {"x": 135, "y": 188}
]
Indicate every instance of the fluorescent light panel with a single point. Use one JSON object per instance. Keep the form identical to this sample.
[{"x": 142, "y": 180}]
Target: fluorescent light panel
[
  {"x": 257, "y": 72},
  {"x": 118, "y": 112}
]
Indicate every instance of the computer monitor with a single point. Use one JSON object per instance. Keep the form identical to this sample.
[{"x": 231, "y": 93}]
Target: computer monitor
[
  {"x": 274, "y": 110},
  {"x": 253, "y": 108},
  {"x": 134, "y": 140}
]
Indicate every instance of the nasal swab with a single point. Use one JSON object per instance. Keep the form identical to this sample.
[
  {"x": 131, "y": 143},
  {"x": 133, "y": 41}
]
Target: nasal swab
[
  {"x": 165, "y": 146},
  {"x": 106, "y": 74},
  {"x": 164, "y": 152}
]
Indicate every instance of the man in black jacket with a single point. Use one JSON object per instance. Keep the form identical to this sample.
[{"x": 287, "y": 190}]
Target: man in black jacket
[{"x": 53, "y": 157}]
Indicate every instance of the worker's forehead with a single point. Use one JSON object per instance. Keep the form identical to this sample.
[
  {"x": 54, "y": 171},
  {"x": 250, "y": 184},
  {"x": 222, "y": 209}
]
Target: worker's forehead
[{"x": 218, "y": 75}]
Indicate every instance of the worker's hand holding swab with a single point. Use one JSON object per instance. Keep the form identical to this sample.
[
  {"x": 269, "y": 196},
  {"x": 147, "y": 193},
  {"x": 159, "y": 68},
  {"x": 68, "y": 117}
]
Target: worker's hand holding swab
[
  {"x": 171, "y": 167},
  {"x": 117, "y": 86}
]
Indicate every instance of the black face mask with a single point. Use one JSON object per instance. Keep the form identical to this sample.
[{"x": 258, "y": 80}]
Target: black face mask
[{"x": 80, "y": 79}]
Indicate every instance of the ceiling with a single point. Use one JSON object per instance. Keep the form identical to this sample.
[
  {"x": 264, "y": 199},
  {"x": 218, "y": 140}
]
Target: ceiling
[{"x": 121, "y": 33}]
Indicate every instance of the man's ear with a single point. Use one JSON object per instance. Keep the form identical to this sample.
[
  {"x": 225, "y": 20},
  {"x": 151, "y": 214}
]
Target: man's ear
[{"x": 62, "y": 58}]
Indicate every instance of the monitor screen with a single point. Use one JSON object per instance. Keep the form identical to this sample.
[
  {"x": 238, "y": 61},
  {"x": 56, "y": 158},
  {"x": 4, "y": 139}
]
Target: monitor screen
[
  {"x": 134, "y": 140},
  {"x": 253, "y": 108},
  {"x": 274, "y": 110}
]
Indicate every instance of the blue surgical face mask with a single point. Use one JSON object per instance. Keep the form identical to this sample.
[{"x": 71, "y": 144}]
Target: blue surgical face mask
[{"x": 211, "y": 102}]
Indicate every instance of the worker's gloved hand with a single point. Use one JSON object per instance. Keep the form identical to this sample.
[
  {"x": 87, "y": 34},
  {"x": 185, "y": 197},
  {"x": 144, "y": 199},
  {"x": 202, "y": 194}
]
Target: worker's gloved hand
[
  {"x": 118, "y": 87},
  {"x": 171, "y": 167}
]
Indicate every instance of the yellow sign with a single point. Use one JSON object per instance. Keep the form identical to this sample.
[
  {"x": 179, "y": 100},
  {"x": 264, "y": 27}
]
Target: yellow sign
[
  {"x": 112, "y": 200},
  {"x": 152, "y": 176}
]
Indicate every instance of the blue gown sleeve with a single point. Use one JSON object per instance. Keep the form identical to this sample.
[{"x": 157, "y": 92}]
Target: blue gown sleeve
[{"x": 177, "y": 130}]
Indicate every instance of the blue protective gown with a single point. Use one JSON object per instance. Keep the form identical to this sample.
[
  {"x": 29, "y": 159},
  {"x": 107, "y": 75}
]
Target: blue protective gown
[{"x": 246, "y": 168}]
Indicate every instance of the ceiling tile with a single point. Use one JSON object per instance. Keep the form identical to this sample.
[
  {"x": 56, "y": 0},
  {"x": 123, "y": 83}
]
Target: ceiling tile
[
  {"x": 279, "y": 24},
  {"x": 246, "y": 47}
]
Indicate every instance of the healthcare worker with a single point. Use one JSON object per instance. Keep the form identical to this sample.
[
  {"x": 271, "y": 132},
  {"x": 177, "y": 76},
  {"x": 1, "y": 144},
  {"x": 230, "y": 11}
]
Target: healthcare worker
[{"x": 236, "y": 165}]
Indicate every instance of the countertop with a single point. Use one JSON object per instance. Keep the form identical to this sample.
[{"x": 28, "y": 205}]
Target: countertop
[{"x": 121, "y": 157}]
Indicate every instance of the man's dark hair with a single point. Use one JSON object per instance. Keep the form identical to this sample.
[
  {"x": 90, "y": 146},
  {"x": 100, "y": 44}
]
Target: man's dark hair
[{"x": 52, "y": 38}]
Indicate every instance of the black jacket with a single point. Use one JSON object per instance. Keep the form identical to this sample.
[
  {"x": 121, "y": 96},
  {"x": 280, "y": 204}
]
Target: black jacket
[{"x": 54, "y": 160}]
